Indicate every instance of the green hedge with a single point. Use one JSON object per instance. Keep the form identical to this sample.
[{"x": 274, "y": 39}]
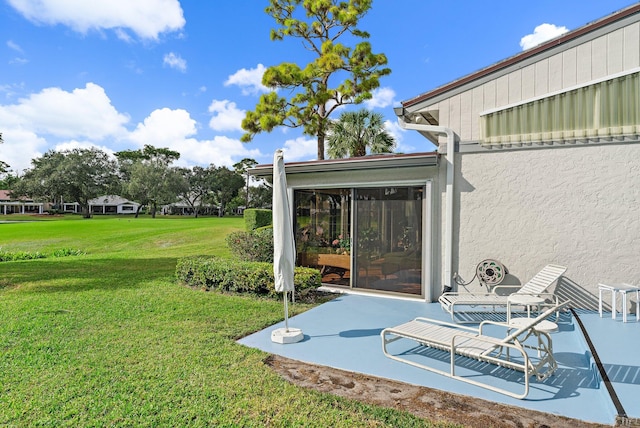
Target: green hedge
[
  {"x": 211, "y": 273},
  {"x": 253, "y": 246},
  {"x": 256, "y": 217}
]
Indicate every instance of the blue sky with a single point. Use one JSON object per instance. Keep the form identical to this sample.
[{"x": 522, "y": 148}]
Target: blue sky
[{"x": 119, "y": 74}]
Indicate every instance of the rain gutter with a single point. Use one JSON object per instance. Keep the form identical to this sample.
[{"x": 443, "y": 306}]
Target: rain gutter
[{"x": 450, "y": 162}]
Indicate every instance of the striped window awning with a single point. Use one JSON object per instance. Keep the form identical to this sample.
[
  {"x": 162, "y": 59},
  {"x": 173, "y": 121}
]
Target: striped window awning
[{"x": 597, "y": 110}]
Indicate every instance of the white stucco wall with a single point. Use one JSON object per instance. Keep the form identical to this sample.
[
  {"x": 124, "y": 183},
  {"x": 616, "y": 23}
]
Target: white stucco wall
[{"x": 577, "y": 206}]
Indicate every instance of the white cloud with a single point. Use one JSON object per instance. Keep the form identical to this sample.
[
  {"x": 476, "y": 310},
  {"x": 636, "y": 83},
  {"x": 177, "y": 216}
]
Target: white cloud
[
  {"x": 175, "y": 61},
  {"x": 81, "y": 113},
  {"x": 14, "y": 46},
  {"x": 394, "y": 129},
  {"x": 226, "y": 116},
  {"x": 20, "y": 146},
  {"x": 398, "y": 134},
  {"x": 382, "y": 97},
  {"x": 541, "y": 33},
  {"x": 146, "y": 18},
  {"x": 301, "y": 148},
  {"x": 18, "y": 61},
  {"x": 60, "y": 120},
  {"x": 11, "y": 90},
  {"x": 221, "y": 151},
  {"x": 163, "y": 127},
  {"x": 250, "y": 81},
  {"x": 122, "y": 35},
  {"x": 174, "y": 128}
]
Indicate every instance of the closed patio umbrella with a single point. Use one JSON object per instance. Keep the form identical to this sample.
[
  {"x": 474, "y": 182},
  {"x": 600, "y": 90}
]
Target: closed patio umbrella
[{"x": 283, "y": 248}]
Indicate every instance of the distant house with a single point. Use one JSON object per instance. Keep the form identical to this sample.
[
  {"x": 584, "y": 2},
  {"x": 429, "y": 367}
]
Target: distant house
[
  {"x": 72, "y": 207},
  {"x": 22, "y": 205},
  {"x": 182, "y": 207},
  {"x": 112, "y": 204},
  {"x": 537, "y": 161}
]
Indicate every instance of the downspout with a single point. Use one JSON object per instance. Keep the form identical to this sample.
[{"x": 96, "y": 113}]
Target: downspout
[{"x": 450, "y": 157}]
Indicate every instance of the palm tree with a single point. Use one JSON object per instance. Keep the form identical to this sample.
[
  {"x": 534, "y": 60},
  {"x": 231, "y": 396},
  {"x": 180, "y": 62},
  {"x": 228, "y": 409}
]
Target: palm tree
[{"x": 355, "y": 132}]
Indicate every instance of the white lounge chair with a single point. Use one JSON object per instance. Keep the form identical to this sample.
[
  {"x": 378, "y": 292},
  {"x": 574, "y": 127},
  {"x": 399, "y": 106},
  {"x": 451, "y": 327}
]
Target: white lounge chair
[
  {"x": 451, "y": 302},
  {"x": 475, "y": 344}
]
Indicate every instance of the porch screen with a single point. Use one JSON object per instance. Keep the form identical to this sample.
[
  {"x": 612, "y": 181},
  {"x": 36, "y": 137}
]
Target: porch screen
[
  {"x": 610, "y": 107},
  {"x": 323, "y": 232},
  {"x": 388, "y": 239}
]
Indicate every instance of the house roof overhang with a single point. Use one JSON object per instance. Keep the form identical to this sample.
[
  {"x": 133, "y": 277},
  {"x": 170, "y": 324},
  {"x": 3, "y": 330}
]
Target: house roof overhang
[
  {"x": 370, "y": 162},
  {"x": 415, "y": 109}
]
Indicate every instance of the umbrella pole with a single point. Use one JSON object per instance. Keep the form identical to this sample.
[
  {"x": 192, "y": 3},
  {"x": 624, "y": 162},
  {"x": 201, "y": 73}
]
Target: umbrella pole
[{"x": 286, "y": 312}]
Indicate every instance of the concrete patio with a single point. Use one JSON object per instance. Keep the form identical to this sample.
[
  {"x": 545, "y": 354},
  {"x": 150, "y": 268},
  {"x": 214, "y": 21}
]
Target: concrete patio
[{"x": 345, "y": 334}]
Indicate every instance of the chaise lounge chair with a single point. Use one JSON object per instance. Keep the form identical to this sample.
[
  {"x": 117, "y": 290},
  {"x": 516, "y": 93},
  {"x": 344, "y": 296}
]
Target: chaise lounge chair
[
  {"x": 460, "y": 341},
  {"x": 452, "y": 302}
]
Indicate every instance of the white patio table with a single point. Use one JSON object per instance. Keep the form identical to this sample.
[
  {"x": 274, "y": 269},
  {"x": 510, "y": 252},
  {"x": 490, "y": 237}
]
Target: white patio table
[{"x": 623, "y": 289}]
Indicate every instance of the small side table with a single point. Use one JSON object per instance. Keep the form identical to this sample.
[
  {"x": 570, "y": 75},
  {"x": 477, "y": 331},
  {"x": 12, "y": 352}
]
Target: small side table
[
  {"x": 623, "y": 289},
  {"x": 544, "y": 326},
  {"x": 527, "y": 300}
]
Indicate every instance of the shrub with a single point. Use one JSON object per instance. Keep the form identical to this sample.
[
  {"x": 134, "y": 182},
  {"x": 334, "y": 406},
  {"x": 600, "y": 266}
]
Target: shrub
[
  {"x": 215, "y": 274},
  {"x": 256, "y": 217},
  {"x": 6, "y": 256},
  {"x": 9, "y": 256},
  {"x": 253, "y": 246},
  {"x": 64, "y": 252}
]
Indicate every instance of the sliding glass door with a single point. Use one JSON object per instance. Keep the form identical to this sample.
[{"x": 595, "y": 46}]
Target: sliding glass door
[
  {"x": 365, "y": 238},
  {"x": 388, "y": 239},
  {"x": 323, "y": 232}
]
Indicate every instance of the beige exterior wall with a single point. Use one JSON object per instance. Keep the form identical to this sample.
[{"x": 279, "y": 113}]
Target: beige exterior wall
[
  {"x": 608, "y": 54},
  {"x": 576, "y": 206}
]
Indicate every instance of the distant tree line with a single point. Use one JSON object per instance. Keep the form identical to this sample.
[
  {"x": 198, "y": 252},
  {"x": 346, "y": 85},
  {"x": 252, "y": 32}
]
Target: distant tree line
[{"x": 145, "y": 176}]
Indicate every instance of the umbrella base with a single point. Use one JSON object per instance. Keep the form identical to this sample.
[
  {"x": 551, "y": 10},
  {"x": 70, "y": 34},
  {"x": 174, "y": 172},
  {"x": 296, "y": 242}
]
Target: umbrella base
[{"x": 284, "y": 336}]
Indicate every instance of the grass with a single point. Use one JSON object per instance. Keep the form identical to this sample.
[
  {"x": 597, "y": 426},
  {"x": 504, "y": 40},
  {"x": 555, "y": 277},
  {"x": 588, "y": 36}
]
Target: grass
[{"x": 109, "y": 339}]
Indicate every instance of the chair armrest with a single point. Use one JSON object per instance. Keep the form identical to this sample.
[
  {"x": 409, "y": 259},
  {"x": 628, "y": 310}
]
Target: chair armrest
[
  {"x": 501, "y": 287},
  {"x": 490, "y": 322}
]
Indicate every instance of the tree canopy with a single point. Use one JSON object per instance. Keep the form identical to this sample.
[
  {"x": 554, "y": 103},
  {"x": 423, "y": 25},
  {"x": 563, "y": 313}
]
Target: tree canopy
[
  {"x": 355, "y": 132},
  {"x": 242, "y": 168},
  {"x": 200, "y": 183},
  {"x": 226, "y": 186},
  {"x": 76, "y": 175},
  {"x": 338, "y": 74},
  {"x": 148, "y": 177},
  {"x": 145, "y": 176}
]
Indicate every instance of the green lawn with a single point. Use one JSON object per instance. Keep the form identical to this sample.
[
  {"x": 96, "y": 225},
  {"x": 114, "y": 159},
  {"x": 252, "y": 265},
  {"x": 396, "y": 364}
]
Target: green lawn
[{"x": 109, "y": 338}]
